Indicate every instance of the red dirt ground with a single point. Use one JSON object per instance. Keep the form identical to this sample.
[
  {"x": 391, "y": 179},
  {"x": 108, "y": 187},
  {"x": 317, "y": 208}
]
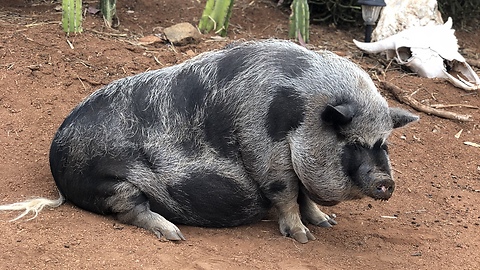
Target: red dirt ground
[{"x": 436, "y": 202}]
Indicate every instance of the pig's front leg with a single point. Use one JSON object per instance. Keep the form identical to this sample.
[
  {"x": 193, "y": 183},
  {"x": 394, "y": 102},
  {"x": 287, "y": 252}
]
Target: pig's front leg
[
  {"x": 311, "y": 214},
  {"x": 291, "y": 223},
  {"x": 283, "y": 192}
]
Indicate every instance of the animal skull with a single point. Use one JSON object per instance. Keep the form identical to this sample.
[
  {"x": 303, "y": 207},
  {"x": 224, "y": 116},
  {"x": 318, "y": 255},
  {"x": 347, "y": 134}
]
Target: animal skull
[
  {"x": 430, "y": 51},
  {"x": 399, "y": 15}
]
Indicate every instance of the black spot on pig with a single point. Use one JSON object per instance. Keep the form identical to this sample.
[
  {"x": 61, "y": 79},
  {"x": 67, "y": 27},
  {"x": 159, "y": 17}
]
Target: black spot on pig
[
  {"x": 189, "y": 93},
  {"x": 379, "y": 154},
  {"x": 92, "y": 110},
  {"x": 216, "y": 201},
  {"x": 276, "y": 187},
  {"x": 291, "y": 63},
  {"x": 360, "y": 161},
  {"x": 231, "y": 65},
  {"x": 220, "y": 130},
  {"x": 352, "y": 159},
  {"x": 99, "y": 178},
  {"x": 141, "y": 107},
  {"x": 286, "y": 113}
]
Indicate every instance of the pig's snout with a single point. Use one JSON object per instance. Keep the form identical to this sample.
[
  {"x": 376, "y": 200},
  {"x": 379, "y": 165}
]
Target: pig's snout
[{"x": 383, "y": 189}]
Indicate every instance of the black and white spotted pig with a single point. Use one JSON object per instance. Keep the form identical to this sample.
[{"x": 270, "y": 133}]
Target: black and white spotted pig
[{"x": 220, "y": 139}]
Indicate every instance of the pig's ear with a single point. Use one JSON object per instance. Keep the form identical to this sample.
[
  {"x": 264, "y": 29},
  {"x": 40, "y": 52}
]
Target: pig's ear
[
  {"x": 338, "y": 115},
  {"x": 401, "y": 117}
]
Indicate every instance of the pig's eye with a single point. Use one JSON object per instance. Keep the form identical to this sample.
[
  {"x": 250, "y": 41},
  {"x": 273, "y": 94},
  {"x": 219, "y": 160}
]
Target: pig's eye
[
  {"x": 380, "y": 144},
  {"x": 384, "y": 147}
]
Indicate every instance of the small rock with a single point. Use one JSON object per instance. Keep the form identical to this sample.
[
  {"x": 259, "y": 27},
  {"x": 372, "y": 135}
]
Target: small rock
[{"x": 182, "y": 34}]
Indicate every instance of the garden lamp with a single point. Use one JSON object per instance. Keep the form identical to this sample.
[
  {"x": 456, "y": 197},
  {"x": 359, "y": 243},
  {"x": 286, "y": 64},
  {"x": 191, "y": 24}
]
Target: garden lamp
[{"x": 370, "y": 12}]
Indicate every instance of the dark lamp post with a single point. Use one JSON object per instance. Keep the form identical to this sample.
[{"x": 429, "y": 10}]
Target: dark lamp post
[{"x": 370, "y": 12}]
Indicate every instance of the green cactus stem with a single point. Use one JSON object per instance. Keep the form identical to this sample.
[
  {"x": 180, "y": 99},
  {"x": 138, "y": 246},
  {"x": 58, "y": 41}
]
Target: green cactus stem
[
  {"x": 72, "y": 16},
  {"x": 299, "y": 21},
  {"x": 216, "y": 16},
  {"x": 109, "y": 12}
]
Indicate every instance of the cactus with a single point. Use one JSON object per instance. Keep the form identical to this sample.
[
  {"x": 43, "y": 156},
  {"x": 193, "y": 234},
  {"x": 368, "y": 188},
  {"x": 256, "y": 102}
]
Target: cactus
[
  {"x": 109, "y": 11},
  {"x": 72, "y": 16},
  {"x": 216, "y": 16},
  {"x": 337, "y": 12},
  {"x": 299, "y": 21}
]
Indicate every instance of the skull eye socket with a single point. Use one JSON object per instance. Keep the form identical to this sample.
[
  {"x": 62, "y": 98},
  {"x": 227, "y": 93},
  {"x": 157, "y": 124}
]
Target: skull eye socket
[
  {"x": 447, "y": 65},
  {"x": 404, "y": 54}
]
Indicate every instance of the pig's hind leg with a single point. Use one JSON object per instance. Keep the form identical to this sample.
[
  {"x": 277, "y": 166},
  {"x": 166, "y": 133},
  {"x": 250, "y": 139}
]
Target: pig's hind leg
[{"x": 131, "y": 206}]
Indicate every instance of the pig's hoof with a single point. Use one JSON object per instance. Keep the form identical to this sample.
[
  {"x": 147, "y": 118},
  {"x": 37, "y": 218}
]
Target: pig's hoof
[
  {"x": 164, "y": 228},
  {"x": 325, "y": 224},
  {"x": 143, "y": 217},
  {"x": 328, "y": 222},
  {"x": 321, "y": 219},
  {"x": 303, "y": 237},
  {"x": 301, "y": 234},
  {"x": 173, "y": 235}
]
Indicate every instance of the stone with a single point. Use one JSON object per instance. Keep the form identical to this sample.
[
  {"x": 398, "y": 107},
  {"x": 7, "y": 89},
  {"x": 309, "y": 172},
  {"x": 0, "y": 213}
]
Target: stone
[{"x": 182, "y": 34}]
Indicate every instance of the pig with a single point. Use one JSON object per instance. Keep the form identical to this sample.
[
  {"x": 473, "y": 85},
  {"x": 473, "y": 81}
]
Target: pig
[{"x": 222, "y": 138}]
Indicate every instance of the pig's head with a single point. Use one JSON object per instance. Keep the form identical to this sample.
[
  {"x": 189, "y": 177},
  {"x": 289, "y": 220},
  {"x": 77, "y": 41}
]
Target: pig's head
[{"x": 340, "y": 151}]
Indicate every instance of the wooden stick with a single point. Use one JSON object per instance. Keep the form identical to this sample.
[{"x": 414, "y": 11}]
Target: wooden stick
[
  {"x": 440, "y": 106},
  {"x": 107, "y": 34},
  {"x": 401, "y": 96}
]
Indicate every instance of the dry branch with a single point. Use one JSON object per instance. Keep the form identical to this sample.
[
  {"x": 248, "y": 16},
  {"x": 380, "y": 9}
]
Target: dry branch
[
  {"x": 441, "y": 106},
  {"x": 107, "y": 34},
  {"x": 409, "y": 100}
]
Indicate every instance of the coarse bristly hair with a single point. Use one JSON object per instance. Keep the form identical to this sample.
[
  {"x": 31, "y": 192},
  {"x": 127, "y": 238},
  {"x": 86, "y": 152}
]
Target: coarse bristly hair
[{"x": 218, "y": 140}]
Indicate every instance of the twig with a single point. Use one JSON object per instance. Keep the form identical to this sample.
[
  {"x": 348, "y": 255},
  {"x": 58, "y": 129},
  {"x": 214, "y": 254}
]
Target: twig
[
  {"x": 85, "y": 88},
  {"x": 407, "y": 99},
  {"x": 107, "y": 34},
  {"x": 439, "y": 106},
  {"x": 88, "y": 80},
  {"x": 389, "y": 64},
  {"x": 397, "y": 170},
  {"x": 42, "y": 23},
  {"x": 156, "y": 60},
  {"x": 472, "y": 144},
  {"x": 70, "y": 44}
]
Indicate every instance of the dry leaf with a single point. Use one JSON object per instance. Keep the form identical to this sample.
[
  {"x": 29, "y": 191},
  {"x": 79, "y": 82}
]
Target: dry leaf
[{"x": 147, "y": 40}]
